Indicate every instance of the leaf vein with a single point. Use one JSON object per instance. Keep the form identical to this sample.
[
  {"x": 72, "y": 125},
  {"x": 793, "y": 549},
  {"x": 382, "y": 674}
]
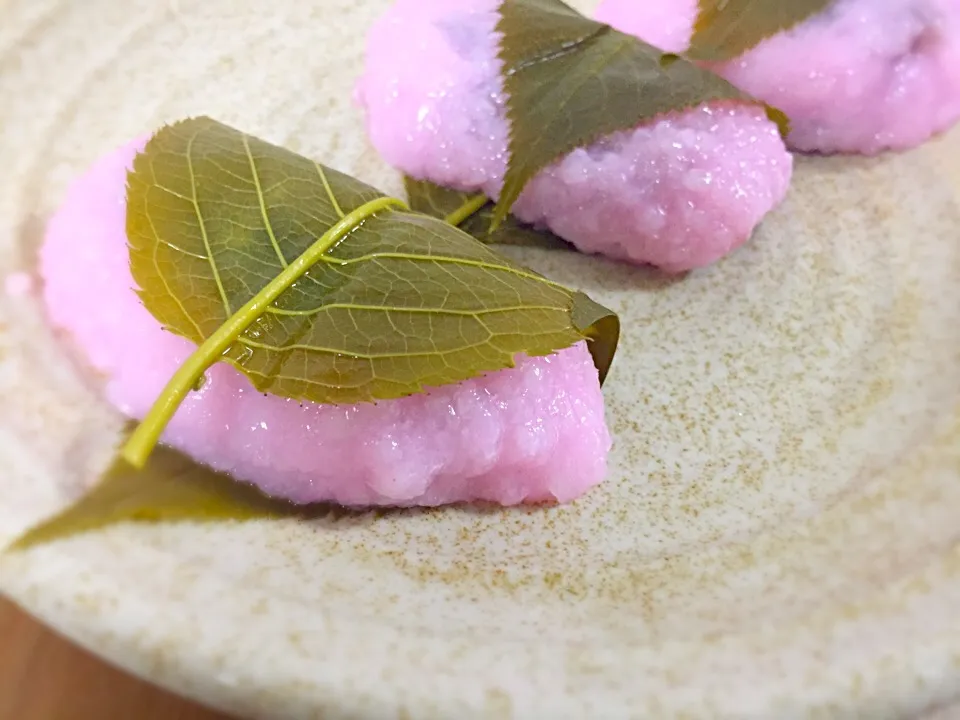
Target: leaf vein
[
  {"x": 441, "y": 259},
  {"x": 326, "y": 185},
  {"x": 262, "y": 201},
  {"x": 428, "y": 311}
]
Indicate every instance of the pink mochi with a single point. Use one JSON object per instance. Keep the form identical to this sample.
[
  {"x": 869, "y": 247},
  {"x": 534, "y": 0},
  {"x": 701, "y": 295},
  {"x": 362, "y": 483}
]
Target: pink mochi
[
  {"x": 534, "y": 433},
  {"x": 863, "y": 77},
  {"x": 678, "y": 193}
]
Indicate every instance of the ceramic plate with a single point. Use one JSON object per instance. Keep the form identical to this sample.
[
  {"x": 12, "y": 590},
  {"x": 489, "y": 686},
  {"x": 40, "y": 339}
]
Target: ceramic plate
[{"x": 778, "y": 533}]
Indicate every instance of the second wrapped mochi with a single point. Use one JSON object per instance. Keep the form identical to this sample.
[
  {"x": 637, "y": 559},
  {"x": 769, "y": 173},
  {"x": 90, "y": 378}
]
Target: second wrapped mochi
[{"x": 678, "y": 193}]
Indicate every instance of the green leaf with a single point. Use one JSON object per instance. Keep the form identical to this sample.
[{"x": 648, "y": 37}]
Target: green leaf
[
  {"x": 473, "y": 213},
  {"x": 726, "y": 29},
  {"x": 571, "y": 80},
  {"x": 170, "y": 487},
  {"x": 315, "y": 285}
]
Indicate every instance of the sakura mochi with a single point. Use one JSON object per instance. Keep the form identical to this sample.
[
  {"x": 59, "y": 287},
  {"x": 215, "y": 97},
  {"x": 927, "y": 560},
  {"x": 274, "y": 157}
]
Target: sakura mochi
[
  {"x": 679, "y": 193},
  {"x": 527, "y": 434},
  {"x": 862, "y": 77}
]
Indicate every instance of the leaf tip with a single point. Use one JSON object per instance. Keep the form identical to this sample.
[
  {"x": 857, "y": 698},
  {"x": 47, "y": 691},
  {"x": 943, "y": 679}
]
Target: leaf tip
[
  {"x": 779, "y": 118},
  {"x": 668, "y": 59},
  {"x": 500, "y": 212},
  {"x": 600, "y": 328}
]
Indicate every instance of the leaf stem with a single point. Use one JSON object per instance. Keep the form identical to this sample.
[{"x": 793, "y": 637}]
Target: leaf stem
[
  {"x": 141, "y": 443},
  {"x": 466, "y": 210}
]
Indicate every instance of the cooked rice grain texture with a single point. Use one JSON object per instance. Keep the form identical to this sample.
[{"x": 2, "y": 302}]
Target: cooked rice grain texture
[
  {"x": 529, "y": 434},
  {"x": 863, "y": 77}
]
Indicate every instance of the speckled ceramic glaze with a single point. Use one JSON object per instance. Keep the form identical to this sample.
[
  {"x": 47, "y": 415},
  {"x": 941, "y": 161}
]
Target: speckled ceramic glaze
[{"x": 777, "y": 537}]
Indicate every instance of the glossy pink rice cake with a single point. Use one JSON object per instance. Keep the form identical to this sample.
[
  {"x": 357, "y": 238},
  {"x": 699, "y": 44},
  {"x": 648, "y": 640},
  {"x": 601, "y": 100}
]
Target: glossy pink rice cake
[{"x": 534, "y": 433}]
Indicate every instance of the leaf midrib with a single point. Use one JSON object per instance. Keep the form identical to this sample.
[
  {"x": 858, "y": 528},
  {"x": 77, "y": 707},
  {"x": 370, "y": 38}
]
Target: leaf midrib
[
  {"x": 140, "y": 444},
  {"x": 567, "y": 49}
]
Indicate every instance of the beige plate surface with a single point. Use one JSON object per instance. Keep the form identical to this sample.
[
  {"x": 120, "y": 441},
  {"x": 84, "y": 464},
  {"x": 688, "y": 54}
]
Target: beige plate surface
[{"x": 778, "y": 534}]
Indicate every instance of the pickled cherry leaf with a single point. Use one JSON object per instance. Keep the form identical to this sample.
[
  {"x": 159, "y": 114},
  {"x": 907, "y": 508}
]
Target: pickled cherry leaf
[
  {"x": 169, "y": 488},
  {"x": 473, "y": 214},
  {"x": 316, "y": 286},
  {"x": 571, "y": 81},
  {"x": 469, "y": 212},
  {"x": 726, "y": 29}
]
